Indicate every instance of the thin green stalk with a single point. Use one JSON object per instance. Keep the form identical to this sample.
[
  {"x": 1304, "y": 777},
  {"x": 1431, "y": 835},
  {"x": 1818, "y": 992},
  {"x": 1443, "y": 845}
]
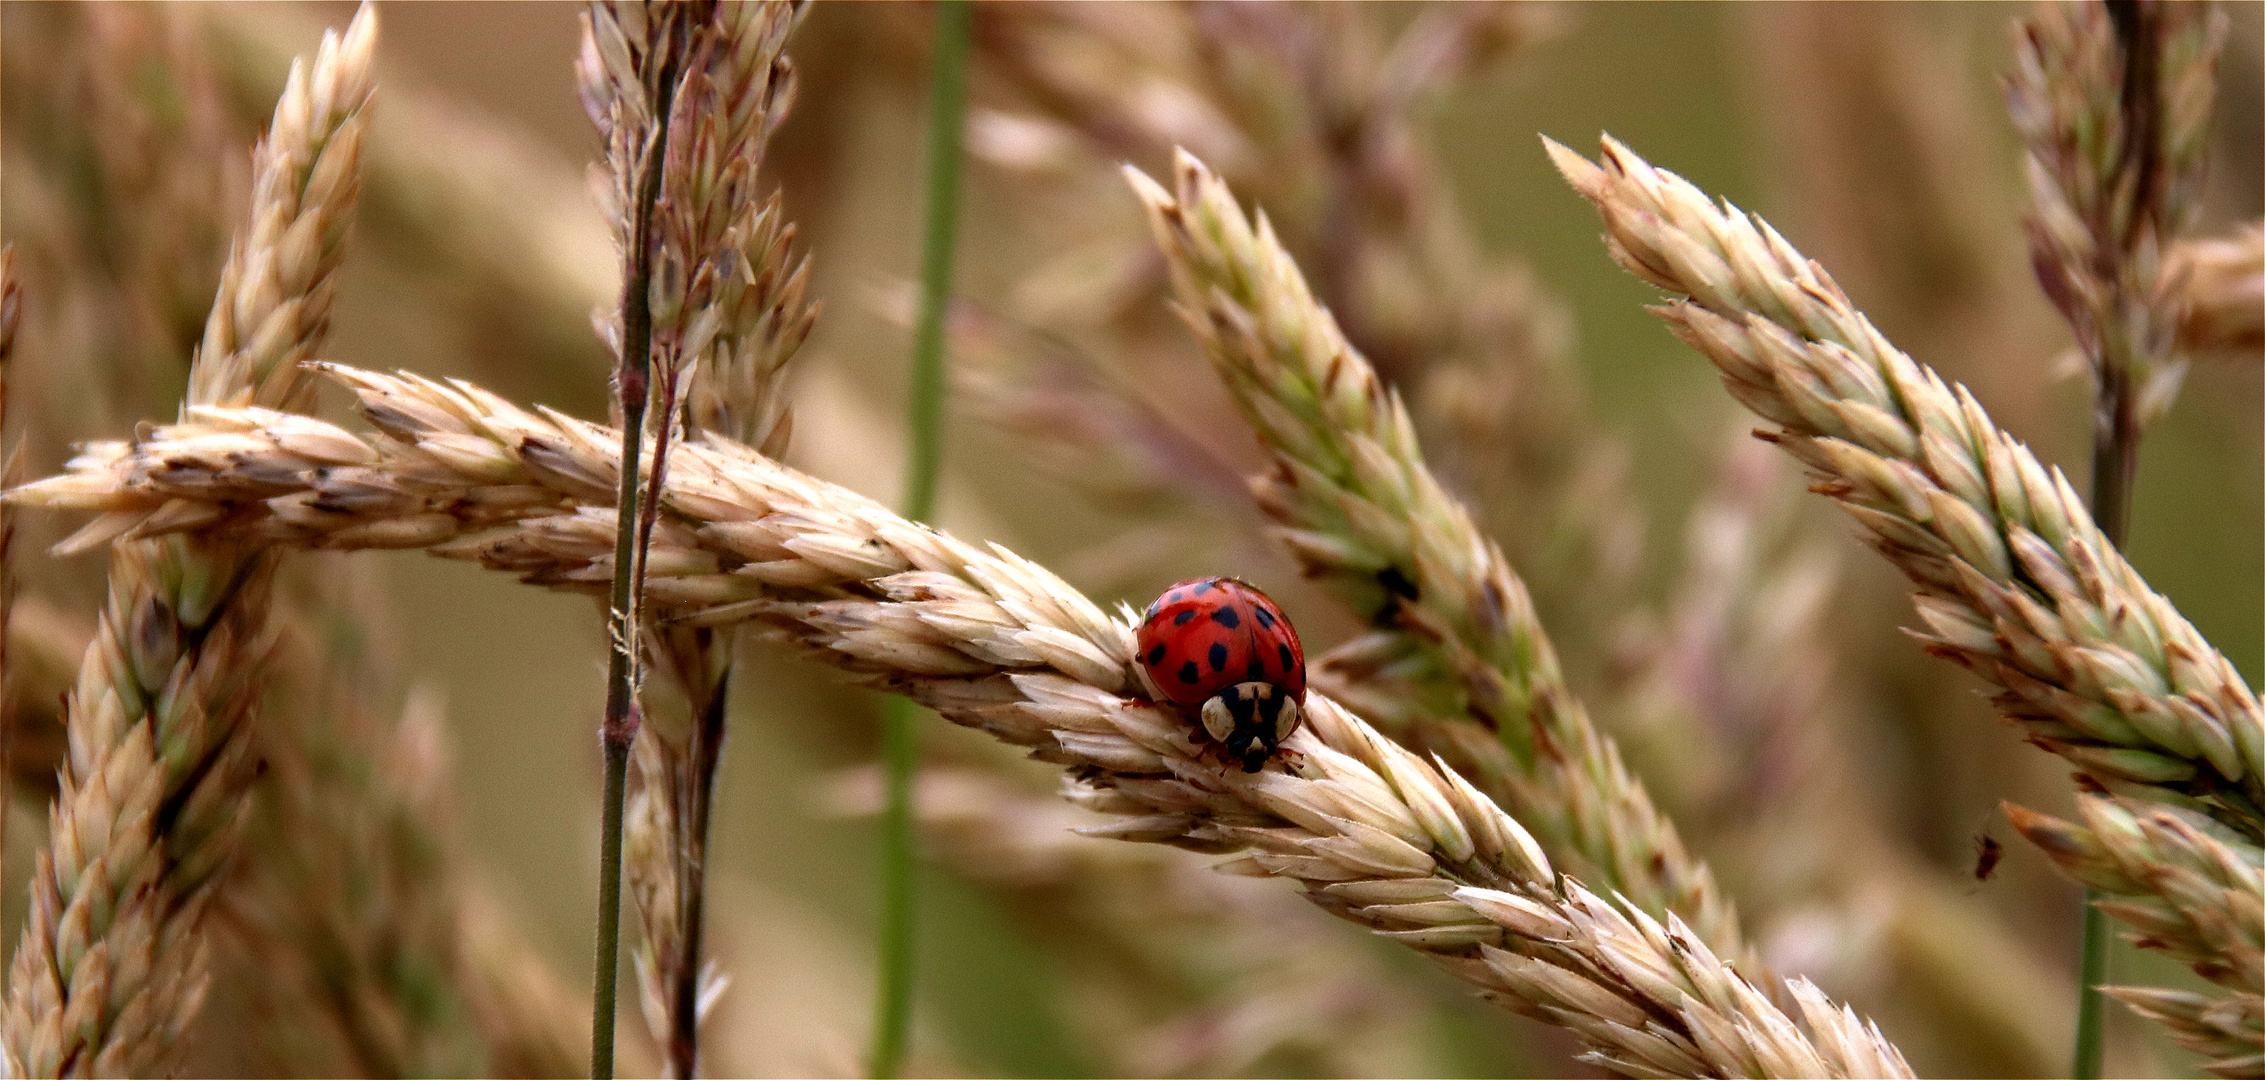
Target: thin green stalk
[
  {"x": 2091, "y": 1005},
  {"x": 609, "y": 910},
  {"x": 2115, "y": 458},
  {"x": 633, "y": 381},
  {"x": 947, "y": 103},
  {"x": 893, "y": 1019}
]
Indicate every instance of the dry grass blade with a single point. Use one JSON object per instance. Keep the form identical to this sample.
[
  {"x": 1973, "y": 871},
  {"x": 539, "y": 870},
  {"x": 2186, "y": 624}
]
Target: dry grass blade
[
  {"x": 111, "y": 964},
  {"x": 2191, "y": 889},
  {"x": 2014, "y": 580},
  {"x": 991, "y": 641},
  {"x": 1359, "y": 509}
]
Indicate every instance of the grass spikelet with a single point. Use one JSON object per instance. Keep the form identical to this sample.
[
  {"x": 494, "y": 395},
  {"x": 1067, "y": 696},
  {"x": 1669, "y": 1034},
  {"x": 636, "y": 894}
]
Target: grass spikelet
[
  {"x": 732, "y": 297},
  {"x": 2224, "y": 283},
  {"x": 1350, "y": 494},
  {"x": 111, "y": 964},
  {"x": 946, "y": 623},
  {"x": 2188, "y": 888},
  {"x": 2095, "y": 665}
]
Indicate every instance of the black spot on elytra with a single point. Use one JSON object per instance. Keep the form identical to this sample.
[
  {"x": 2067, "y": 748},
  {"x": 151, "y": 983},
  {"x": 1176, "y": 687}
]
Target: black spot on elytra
[
  {"x": 1265, "y": 618},
  {"x": 1226, "y": 617},
  {"x": 1182, "y": 618},
  {"x": 1218, "y": 656},
  {"x": 1257, "y": 671},
  {"x": 1156, "y": 655},
  {"x": 1189, "y": 673},
  {"x": 1284, "y": 652},
  {"x": 1202, "y": 587}
]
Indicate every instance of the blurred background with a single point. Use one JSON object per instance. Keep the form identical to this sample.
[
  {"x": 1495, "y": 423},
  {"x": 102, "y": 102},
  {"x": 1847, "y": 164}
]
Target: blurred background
[{"x": 1724, "y": 626}]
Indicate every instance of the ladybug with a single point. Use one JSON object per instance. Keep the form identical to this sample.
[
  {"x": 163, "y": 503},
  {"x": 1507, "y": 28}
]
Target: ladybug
[{"x": 1222, "y": 648}]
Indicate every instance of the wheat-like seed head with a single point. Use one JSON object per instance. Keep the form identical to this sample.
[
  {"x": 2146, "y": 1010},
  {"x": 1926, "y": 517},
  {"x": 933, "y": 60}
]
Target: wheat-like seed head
[
  {"x": 273, "y": 307},
  {"x": 730, "y": 307},
  {"x": 1359, "y": 509},
  {"x": 111, "y": 965},
  {"x": 2115, "y": 121},
  {"x": 2014, "y": 580},
  {"x": 2190, "y": 888},
  {"x": 2229, "y": 1030},
  {"x": 992, "y": 641}
]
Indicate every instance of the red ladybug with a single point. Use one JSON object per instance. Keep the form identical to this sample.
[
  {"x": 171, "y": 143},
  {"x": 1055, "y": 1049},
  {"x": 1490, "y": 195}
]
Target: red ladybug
[{"x": 1221, "y": 647}]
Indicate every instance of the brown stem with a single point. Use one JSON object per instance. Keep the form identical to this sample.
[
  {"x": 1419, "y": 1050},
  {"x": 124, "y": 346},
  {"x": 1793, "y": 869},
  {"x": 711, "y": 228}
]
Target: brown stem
[{"x": 707, "y": 754}]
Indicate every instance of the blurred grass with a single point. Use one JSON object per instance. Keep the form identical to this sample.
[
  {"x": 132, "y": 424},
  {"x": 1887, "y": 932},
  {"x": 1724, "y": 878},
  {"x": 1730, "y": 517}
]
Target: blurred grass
[{"x": 521, "y": 669}]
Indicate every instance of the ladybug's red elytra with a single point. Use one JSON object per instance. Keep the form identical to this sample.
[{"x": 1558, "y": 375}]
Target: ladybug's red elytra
[{"x": 1222, "y": 648}]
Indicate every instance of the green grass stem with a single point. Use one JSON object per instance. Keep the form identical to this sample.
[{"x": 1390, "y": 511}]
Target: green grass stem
[
  {"x": 633, "y": 380},
  {"x": 2115, "y": 460},
  {"x": 947, "y": 105},
  {"x": 900, "y": 746}
]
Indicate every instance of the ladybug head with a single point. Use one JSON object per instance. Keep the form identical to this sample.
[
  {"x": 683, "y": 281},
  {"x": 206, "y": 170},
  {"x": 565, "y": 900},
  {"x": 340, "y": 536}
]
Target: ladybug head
[{"x": 1251, "y": 719}]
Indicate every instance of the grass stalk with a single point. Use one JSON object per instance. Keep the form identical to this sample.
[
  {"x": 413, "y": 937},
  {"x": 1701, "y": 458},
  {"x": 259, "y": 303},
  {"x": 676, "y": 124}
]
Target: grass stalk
[
  {"x": 729, "y": 312},
  {"x": 892, "y": 1022},
  {"x": 684, "y": 1020},
  {"x": 2115, "y": 460},
  {"x": 633, "y": 381},
  {"x": 947, "y": 103},
  {"x": 2091, "y": 1005}
]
